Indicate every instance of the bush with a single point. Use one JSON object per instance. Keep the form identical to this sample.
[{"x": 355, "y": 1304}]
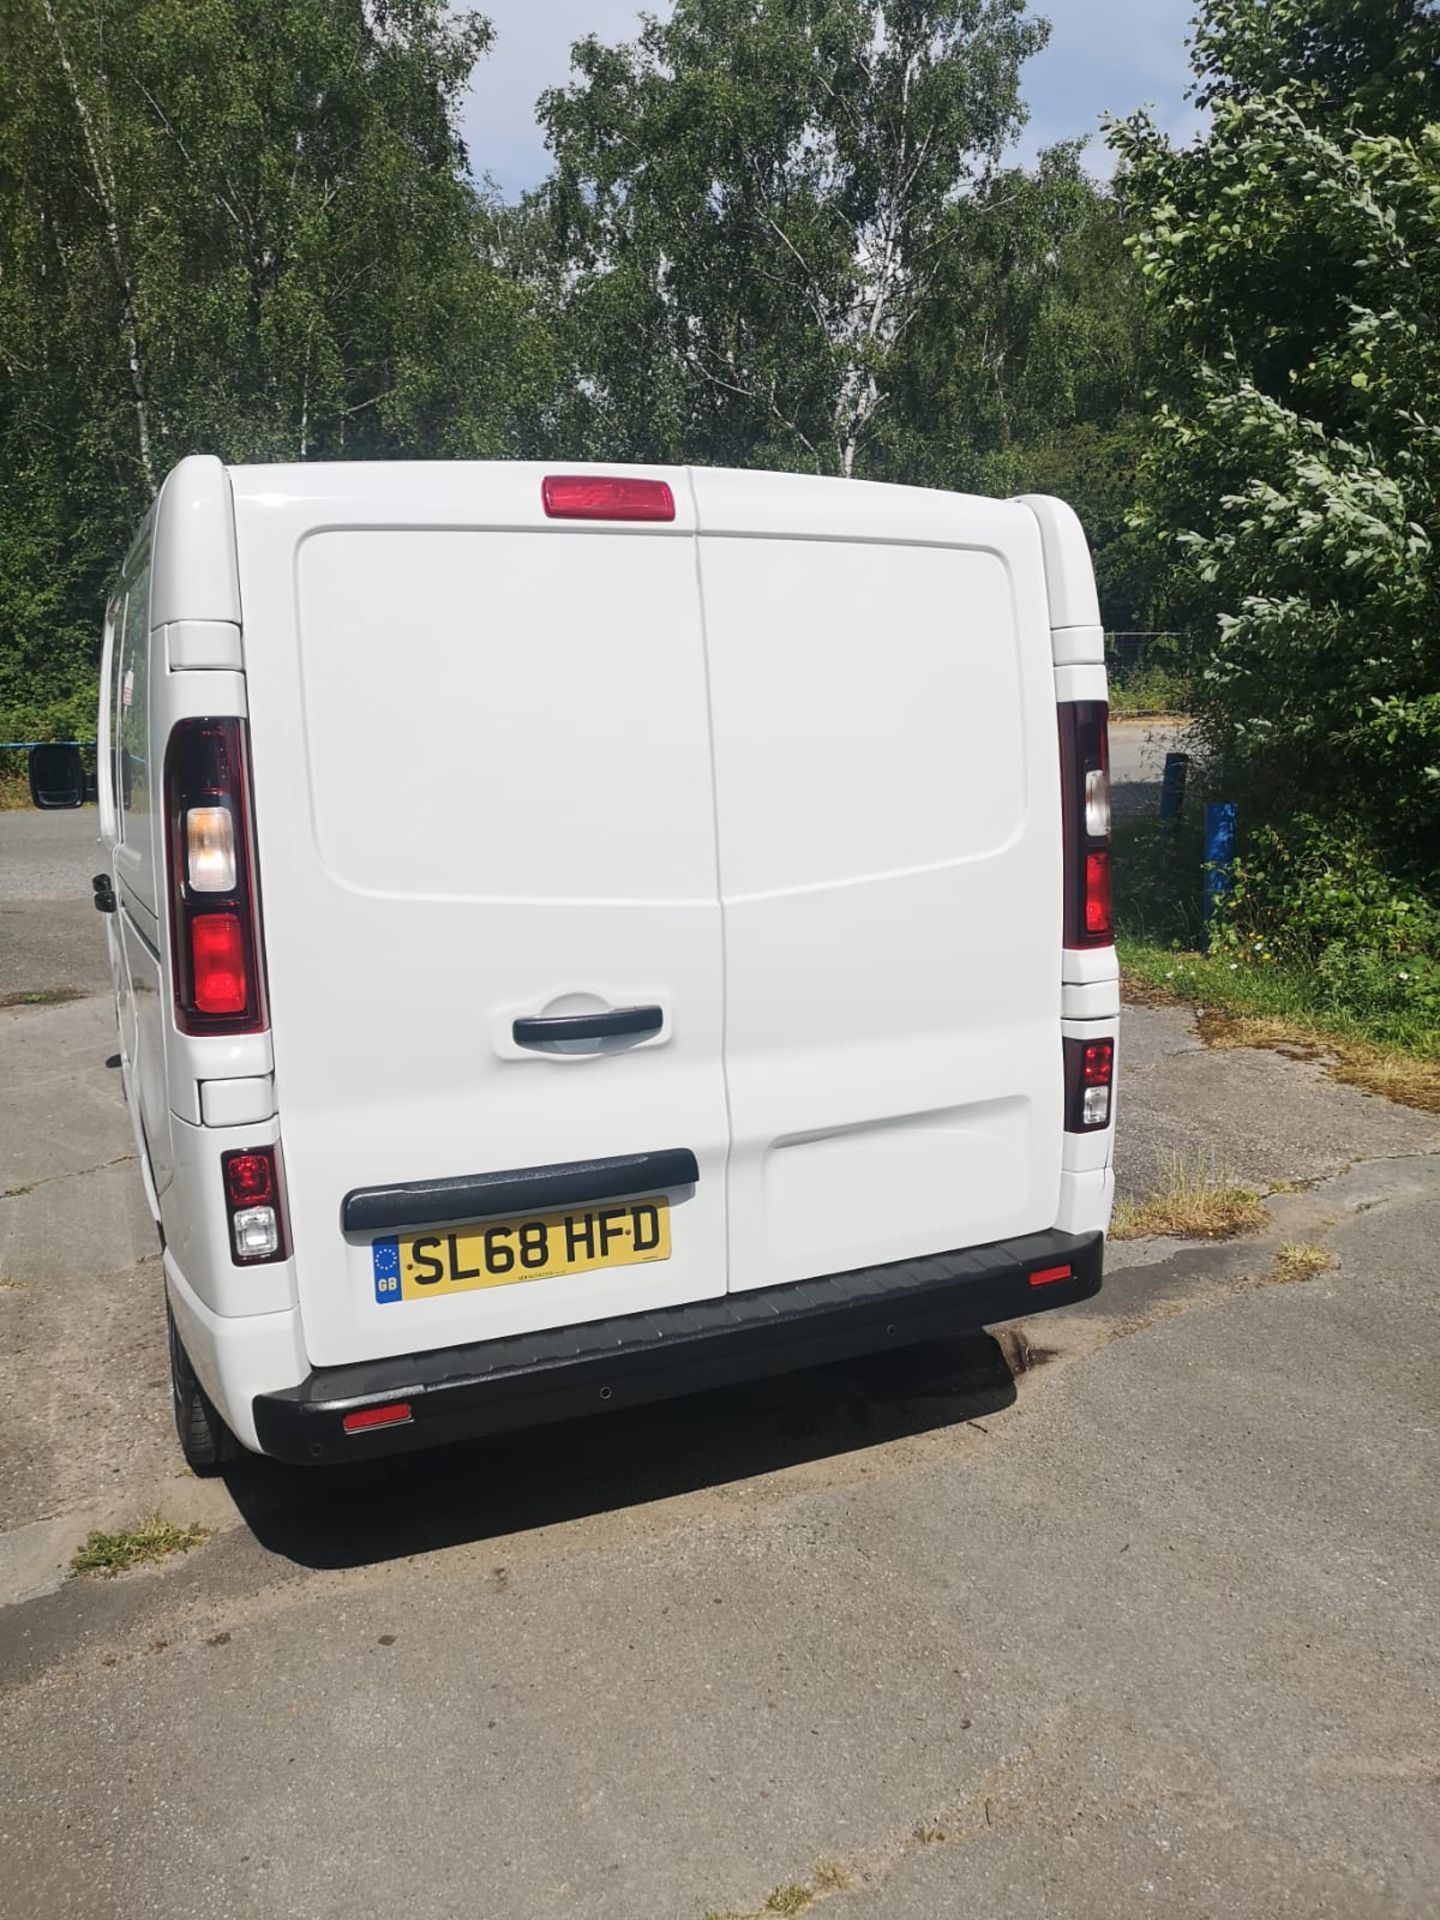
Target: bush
[{"x": 1308, "y": 894}]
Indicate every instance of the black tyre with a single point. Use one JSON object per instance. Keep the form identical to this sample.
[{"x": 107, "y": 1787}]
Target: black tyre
[{"x": 205, "y": 1440}]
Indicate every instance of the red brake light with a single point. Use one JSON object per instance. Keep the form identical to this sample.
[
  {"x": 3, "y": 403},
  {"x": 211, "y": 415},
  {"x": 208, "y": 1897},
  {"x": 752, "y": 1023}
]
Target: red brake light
[
  {"x": 1085, "y": 794},
  {"x": 214, "y": 908},
  {"x": 393, "y": 1415},
  {"x": 1099, "y": 919},
  {"x": 217, "y": 951},
  {"x": 583, "y": 496}
]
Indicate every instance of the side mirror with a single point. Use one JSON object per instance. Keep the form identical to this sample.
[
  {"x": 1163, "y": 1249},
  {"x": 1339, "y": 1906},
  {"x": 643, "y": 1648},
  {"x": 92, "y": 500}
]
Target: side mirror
[{"x": 57, "y": 777}]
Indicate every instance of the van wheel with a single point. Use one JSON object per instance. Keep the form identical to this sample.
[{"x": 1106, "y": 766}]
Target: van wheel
[{"x": 205, "y": 1440}]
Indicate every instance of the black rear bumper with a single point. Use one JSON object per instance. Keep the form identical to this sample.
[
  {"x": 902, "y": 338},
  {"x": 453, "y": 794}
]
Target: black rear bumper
[{"x": 531, "y": 1379}]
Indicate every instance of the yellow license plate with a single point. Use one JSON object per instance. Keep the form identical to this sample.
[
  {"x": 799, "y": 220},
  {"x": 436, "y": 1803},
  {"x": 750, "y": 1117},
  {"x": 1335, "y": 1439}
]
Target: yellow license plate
[{"x": 542, "y": 1246}]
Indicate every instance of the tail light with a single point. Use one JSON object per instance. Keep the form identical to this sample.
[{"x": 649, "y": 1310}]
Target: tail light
[
  {"x": 1085, "y": 777},
  {"x": 587, "y": 496},
  {"x": 214, "y": 908},
  {"x": 255, "y": 1202},
  {"x": 1089, "y": 1084}
]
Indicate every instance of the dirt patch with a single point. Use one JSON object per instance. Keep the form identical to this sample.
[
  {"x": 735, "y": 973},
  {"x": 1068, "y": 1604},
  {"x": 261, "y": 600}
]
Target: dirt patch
[
  {"x": 1405, "y": 1078},
  {"x": 1144, "y": 993},
  {"x": 1021, "y": 1354}
]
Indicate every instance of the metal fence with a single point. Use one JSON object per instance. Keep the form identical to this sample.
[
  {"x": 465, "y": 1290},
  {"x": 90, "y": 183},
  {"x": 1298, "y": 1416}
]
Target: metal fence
[{"x": 1128, "y": 655}]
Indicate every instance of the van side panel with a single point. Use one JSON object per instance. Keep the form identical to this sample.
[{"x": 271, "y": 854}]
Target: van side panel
[{"x": 890, "y": 854}]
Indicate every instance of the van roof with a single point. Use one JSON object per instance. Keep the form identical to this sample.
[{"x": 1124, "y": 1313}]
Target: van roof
[{"x": 197, "y": 574}]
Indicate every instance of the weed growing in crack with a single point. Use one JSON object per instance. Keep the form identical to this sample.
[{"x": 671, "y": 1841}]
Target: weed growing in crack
[{"x": 1193, "y": 1200}]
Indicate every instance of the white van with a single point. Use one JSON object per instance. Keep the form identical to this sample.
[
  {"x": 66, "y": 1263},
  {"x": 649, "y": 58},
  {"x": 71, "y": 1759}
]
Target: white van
[{"x": 585, "y": 936}]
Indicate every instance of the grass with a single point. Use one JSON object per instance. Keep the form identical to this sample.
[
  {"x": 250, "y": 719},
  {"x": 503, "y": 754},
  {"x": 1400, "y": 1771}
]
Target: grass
[
  {"x": 829, "y": 1876},
  {"x": 1258, "y": 999},
  {"x": 153, "y": 1539},
  {"x": 1302, "y": 1261},
  {"x": 1150, "y": 694},
  {"x": 41, "y": 997},
  {"x": 1240, "y": 1007},
  {"x": 791, "y": 1898},
  {"x": 1192, "y": 1201}
]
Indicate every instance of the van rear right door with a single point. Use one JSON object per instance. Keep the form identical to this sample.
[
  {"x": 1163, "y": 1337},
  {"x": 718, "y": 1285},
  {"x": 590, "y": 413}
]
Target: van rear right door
[{"x": 888, "y": 822}]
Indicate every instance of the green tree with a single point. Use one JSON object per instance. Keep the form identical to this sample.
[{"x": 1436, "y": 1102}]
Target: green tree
[
  {"x": 1027, "y": 370},
  {"x": 1293, "y": 487},
  {"x": 1374, "y": 64},
  {"x": 238, "y": 226},
  {"x": 749, "y": 211}
]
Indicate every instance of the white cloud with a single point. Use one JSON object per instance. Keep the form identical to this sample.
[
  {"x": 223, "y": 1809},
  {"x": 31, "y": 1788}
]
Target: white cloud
[{"x": 1104, "y": 56}]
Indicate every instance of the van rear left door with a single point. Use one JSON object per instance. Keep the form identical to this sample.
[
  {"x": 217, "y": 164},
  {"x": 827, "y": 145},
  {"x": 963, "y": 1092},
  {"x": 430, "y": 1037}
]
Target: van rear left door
[{"x": 483, "y": 796}]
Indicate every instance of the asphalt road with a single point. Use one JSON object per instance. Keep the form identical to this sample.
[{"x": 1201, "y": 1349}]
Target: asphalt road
[
  {"x": 1129, "y": 1610},
  {"x": 50, "y": 935}
]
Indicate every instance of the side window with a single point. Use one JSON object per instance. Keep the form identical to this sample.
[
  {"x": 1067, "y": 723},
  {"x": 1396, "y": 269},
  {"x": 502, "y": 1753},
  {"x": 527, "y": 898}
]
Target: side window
[{"x": 133, "y": 697}]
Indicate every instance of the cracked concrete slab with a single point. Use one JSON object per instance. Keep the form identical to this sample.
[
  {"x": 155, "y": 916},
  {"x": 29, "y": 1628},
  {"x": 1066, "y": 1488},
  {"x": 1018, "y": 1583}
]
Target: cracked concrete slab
[{"x": 1253, "y": 1113}]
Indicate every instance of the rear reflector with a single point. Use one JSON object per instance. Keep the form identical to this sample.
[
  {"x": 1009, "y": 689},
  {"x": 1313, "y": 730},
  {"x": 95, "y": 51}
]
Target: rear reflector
[
  {"x": 583, "y": 496},
  {"x": 1047, "y": 1276},
  {"x": 394, "y": 1415}
]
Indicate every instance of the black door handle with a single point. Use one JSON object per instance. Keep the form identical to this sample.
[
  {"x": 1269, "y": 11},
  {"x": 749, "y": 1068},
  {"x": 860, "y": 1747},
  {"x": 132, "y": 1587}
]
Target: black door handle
[
  {"x": 104, "y": 891},
  {"x": 540, "y": 1032}
]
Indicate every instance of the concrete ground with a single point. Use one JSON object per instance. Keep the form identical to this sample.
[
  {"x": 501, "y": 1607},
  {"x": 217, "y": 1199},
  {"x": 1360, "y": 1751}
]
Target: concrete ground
[
  {"x": 1125, "y": 1610},
  {"x": 1137, "y": 760},
  {"x": 50, "y": 934}
]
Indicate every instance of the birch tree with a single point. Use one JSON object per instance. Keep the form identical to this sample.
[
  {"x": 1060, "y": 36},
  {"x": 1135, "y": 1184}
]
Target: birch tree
[
  {"x": 750, "y": 202},
  {"x": 235, "y": 226}
]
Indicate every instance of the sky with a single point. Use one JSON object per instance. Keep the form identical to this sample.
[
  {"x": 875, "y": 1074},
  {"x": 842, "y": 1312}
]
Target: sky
[{"x": 1103, "y": 56}]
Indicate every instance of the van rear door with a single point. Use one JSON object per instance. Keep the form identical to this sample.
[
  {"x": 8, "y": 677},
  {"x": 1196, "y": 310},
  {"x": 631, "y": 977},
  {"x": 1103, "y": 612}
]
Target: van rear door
[
  {"x": 483, "y": 799},
  {"x": 889, "y": 828}
]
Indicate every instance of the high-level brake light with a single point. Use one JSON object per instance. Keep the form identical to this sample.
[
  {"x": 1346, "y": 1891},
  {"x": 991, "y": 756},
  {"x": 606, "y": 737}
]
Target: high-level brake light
[
  {"x": 589, "y": 496},
  {"x": 214, "y": 909},
  {"x": 1085, "y": 796}
]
